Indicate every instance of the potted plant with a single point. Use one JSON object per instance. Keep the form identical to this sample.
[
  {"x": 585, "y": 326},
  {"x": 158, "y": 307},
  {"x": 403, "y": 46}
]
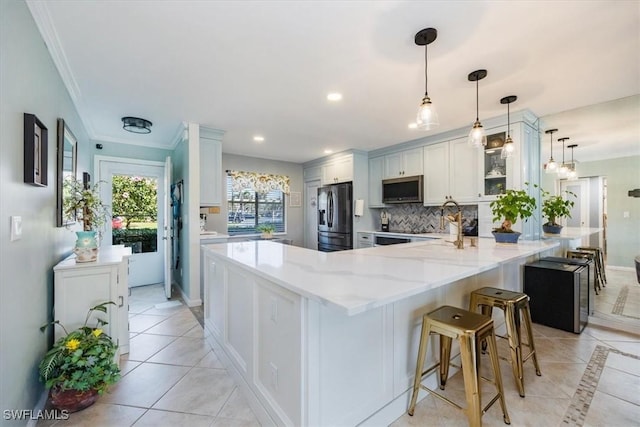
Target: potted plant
[
  {"x": 84, "y": 203},
  {"x": 555, "y": 207},
  {"x": 267, "y": 230},
  {"x": 509, "y": 207},
  {"x": 81, "y": 365}
]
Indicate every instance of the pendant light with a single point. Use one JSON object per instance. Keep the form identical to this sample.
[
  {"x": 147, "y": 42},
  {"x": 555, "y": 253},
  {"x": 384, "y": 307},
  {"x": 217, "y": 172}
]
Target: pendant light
[
  {"x": 427, "y": 117},
  {"x": 563, "y": 170},
  {"x": 573, "y": 173},
  {"x": 477, "y": 136},
  {"x": 551, "y": 166},
  {"x": 509, "y": 147}
]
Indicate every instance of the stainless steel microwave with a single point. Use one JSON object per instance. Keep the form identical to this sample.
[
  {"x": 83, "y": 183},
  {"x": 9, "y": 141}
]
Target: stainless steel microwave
[{"x": 407, "y": 189}]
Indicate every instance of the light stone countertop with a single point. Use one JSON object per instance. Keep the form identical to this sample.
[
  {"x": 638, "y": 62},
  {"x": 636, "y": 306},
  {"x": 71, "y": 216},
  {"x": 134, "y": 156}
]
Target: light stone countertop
[
  {"x": 571, "y": 233},
  {"x": 107, "y": 255},
  {"x": 359, "y": 280}
]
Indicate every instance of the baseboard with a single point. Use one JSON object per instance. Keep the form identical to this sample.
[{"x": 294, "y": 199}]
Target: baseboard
[
  {"x": 39, "y": 408},
  {"x": 190, "y": 302},
  {"x": 614, "y": 267}
]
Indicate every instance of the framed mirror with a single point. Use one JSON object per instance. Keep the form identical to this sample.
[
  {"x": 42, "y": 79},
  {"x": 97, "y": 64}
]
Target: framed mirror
[{"x": 67, "y": 166}]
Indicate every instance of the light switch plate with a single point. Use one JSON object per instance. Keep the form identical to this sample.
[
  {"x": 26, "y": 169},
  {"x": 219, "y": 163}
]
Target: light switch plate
[{"x": 16, "y": 228}]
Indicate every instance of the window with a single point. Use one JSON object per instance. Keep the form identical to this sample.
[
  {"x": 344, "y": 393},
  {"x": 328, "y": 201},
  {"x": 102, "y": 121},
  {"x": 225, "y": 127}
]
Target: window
[{"x": 247, "y": 209}]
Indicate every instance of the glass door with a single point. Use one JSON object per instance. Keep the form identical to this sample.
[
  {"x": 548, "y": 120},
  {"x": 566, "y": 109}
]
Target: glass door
[{"x": 495, "y": 167}]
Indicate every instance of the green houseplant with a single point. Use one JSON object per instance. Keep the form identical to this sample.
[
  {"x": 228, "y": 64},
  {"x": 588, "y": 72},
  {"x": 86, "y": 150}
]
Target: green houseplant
[
  {"x": 81, "y": 365},
  {"x": 84, "y": 203},
  {"x": 555, "y": 207},
  {"x": 508, "y": 208},
  {"x": 267, "y": 230}
]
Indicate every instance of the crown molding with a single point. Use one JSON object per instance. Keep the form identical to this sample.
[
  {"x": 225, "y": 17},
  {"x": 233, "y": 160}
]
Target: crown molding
[{"x": 42, "y": 17}]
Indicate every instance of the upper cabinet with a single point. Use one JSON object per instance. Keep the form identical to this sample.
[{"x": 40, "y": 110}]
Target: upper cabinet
[
  {"x": 403, "y": 163},
  {"x": 376, "y": 170},
  {"x": 210, "y": 167},
  {"x": 450, "y": 172},
  {"x": 338, "y": 170}
]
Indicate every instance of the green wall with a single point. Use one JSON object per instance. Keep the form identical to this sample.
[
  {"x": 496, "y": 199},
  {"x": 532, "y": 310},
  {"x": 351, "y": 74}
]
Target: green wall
[
  {"x": 623, "y": 234},
  {"x": 29, "y": 82}
]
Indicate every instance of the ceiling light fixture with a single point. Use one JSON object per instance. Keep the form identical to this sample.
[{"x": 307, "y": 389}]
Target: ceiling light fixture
[
  {"x": 427, "y": 117},
  {"x": 334, "y": 96},
  {"x": 509, "y": 147},
  {"x": 258, "y": 138},
  {"x": 136, "y": 125},
  {"x": 573, "y": 173},
  {"x": 551, "y": 166},
  {"x": 477, "y": 136},
  {"x": 564, "y": 169},
  {"x": 413, "y": 126}
]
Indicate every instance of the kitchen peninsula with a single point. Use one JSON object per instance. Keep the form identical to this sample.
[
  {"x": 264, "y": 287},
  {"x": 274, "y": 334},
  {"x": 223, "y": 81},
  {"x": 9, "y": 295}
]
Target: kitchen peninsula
[{"x": 331, "y": 338}]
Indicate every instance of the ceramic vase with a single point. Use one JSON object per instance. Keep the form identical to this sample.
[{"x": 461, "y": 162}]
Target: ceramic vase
[{"x": 86, "y": 248}]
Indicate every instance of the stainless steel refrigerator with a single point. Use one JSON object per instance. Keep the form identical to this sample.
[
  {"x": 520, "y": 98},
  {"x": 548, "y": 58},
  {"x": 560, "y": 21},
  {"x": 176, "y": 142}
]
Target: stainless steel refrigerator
[{"x": 335, "y": 219}]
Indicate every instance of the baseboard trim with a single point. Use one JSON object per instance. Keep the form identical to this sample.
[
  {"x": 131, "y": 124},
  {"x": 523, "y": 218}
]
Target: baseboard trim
[
  {"x": 614, "y": 267},
  {"x": 190, "y": 302},
  {"x": 39, "y": 407}
]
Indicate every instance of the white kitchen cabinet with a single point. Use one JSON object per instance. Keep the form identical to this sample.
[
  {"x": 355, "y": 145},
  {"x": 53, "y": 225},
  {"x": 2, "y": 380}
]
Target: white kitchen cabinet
[
  {"x": 313, "y": 173},
  {"x": 404, "y": 163},
  {"x": 80, "y": 286},
  {"x": 338, "y": 170},
  {"x": 450, "y": 172},
  {"x": 376, "y": 171},
  {"x": 210, "y": 172}
]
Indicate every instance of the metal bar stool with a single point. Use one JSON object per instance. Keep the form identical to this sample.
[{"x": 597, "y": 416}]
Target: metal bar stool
[
  {"x": 512, "y": 304},
  {"x": 470, "y": 329},
  {"x": 591, "y": 256},
  {"x": 599, "y": 262}
]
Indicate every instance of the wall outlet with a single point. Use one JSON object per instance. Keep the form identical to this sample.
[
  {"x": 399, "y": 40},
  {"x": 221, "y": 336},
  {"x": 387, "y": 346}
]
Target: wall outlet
[
  {"x": 625, "y": 214},
  {"x": 274, "y": 309}
]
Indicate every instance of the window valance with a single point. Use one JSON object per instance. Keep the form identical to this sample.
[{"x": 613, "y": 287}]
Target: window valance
[{"x": 259, "y": 182}]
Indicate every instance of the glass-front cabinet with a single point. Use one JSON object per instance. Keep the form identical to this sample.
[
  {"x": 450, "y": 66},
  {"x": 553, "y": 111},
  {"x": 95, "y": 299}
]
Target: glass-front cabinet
[{"x": 495, "y": 167}]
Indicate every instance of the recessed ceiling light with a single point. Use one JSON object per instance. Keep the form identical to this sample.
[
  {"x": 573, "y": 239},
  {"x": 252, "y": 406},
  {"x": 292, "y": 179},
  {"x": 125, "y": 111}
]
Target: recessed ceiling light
[
  {"x": 258, "y": 138},
  {"x": 328, "y": 151},
  {"x": 334, "y": 96},
  {"x": 413, "y": 126}
]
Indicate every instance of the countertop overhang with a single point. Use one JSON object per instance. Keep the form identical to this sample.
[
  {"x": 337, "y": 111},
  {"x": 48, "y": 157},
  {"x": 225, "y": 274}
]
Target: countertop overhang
[{"x": 363, "y": 279}]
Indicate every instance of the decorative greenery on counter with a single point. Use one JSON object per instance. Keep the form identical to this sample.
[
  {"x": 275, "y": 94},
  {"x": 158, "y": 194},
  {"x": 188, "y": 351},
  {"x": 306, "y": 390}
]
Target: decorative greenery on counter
[
  {"x": 511, "y": 205},
  {"x": 84, "y": 204},
  {"x": 554, "y": 207}
]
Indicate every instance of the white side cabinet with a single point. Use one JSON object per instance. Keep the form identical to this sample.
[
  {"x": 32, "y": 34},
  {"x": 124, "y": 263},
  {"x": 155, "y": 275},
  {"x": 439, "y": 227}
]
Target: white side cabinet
[
  {"x": 404, "y": 163},
  {"x": 210, "y": 172},
  {"x": 80, "y": 286},
  {"x": 365, "y": 240}
]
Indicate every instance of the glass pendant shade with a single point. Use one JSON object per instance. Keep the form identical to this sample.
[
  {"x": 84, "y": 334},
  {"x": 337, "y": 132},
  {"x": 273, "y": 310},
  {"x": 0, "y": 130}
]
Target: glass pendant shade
[
  {"x": 477, "y": 136},
  {"x": 563, "y": 170},
  {"x": 572, "y": 173},
  {"x": 551, "y": 166},
  {"x": 508, "y": 149},
  {"x": 427, "y": 117}
]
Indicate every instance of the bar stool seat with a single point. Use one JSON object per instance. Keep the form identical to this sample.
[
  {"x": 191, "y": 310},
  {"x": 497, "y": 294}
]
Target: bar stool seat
[
  {"x": 599, "y": 262},
  {"x": 591, "y": 256},
  {"x": 512, "y": 304},
  {"x": 470, "y": 329}
]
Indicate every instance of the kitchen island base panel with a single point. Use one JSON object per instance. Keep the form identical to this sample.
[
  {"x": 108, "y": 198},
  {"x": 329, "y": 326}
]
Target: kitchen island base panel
[{"x": 310, "y": 363}]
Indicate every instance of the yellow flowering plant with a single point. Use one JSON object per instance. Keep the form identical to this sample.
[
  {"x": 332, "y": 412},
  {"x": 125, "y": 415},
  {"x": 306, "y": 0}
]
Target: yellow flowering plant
[{"x": 83, "y": 359}]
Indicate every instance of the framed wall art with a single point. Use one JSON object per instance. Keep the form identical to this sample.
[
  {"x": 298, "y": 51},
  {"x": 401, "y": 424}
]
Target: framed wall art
[
  {"x": 295, "y": 200},
  {"x": 36, "y": 140}
]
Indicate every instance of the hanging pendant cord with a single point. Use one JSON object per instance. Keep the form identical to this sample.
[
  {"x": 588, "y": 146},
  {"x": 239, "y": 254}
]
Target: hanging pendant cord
[
  {"x": 551, "y": 144},
  {"x": 508, "y": 122},
  {"x": 477, "y": 103},
  {"x": 563, "y": 152},
  {"x": 426, "y": 64}
]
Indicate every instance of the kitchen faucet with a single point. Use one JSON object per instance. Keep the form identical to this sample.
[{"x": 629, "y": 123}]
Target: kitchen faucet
[{"x": 457, "y": 218}]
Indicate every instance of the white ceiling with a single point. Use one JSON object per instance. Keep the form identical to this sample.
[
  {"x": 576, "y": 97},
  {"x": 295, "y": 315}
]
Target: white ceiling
[{"x": 265, "y": 67}]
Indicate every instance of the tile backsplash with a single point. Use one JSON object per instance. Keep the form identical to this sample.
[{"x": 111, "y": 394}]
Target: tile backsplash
[{"x": 416, "y": 218}]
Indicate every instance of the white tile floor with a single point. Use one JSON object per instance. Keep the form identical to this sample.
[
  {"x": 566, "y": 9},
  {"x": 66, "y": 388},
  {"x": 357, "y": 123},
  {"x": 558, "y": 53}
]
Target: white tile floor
[{"x": 172, "y": 378}]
